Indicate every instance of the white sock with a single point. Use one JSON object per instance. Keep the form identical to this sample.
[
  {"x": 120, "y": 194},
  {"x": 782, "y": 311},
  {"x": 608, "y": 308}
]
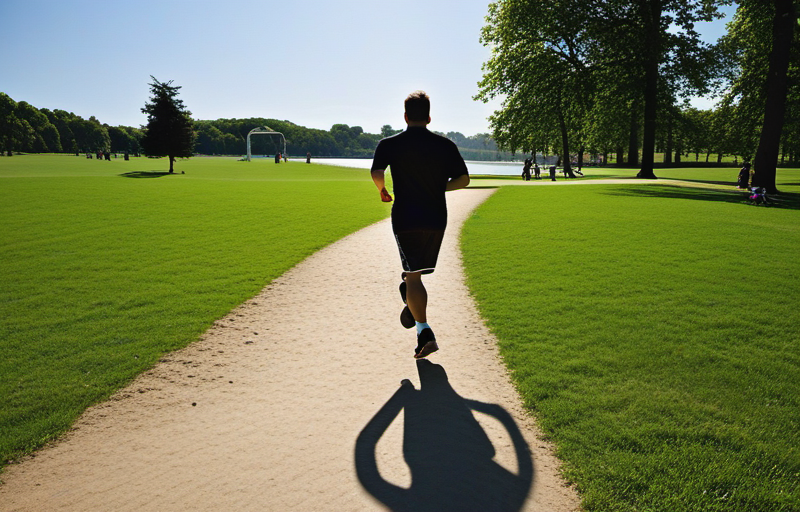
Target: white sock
[{"x": 421, "y": 326}]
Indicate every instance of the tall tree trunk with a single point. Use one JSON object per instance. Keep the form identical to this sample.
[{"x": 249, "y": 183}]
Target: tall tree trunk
[
  {"x": 633, "y": 140},
  {"x": 668, "y": 150},
  {"x": 565, "y": 145},
  {"x": 650, "y": 11},
  {"x": 620, "y": 158},
  {"x": 707, "y": 156},
  {"x": 776, "y": 87},
  {"x": 171, "y": 162}
]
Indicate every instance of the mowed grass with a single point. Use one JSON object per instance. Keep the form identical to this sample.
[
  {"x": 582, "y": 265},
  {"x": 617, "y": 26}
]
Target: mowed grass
[
  {"x": 655, "y": 333},
  {"x": 104, "y": 273}
]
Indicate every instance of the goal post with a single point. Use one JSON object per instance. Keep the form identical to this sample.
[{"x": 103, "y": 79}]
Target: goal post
[{"x": 261, "y": 130}]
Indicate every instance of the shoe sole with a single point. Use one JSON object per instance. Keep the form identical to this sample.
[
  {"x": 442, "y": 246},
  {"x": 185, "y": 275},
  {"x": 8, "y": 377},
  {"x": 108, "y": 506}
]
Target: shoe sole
[
  {"x": 407, "y": 319},
  {"x": 426, "y": 350}
]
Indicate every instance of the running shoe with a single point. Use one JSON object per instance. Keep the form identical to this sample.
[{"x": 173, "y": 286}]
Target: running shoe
[{"x": 426, "y": 344}]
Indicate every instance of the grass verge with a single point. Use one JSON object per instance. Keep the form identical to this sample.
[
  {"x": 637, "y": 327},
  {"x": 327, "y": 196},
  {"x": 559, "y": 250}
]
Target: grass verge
[
  {"x": 109, "y": 265},
  {"x": 653, "y": 330}
]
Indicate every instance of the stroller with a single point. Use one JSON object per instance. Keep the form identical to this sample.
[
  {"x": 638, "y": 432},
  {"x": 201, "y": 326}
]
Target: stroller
[{"x": 758, "y": 195}]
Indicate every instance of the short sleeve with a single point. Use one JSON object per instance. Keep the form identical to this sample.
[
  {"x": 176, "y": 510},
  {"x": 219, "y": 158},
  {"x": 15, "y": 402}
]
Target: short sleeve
[
  {"x": 458, "y": 167},
  {"x": 380, "y": 161}
]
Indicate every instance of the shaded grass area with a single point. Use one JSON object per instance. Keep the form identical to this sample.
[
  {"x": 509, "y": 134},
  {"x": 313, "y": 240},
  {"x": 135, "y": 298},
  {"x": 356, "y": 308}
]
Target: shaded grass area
[
  {"x": 102, "y": 274},
  {"x": 654, "y": 333}
]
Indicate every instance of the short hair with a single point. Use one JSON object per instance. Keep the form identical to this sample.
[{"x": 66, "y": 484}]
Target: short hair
[{"x": 418, "y": 106}]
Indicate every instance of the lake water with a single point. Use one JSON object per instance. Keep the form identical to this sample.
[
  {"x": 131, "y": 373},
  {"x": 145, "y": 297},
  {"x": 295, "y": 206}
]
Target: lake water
[{"x": 492, "y": 168}]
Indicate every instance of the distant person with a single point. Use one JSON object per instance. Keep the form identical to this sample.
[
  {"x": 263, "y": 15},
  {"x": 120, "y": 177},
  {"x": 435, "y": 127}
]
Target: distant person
[
  {"x": 526, "y": 170},
  {"x": 537, "y": 173},
  {"x": 285, "y": 158},
  {"x": 308, "y": 157},
  {"x": 552, "y": 173},
  {"x": 424, "y": 166},
  {"x": 277, "y": 158},
  {"x": 743, "y": 181}
]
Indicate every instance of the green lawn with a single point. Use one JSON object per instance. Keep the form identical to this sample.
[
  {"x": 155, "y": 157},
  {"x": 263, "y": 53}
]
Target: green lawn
[
  {"x": 655, "y": 332},
  {"x": 108, "y": 265}
]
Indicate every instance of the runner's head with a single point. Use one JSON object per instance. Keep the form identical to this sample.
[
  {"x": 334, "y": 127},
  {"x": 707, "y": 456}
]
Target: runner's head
[{"x": 418, "y": 108}]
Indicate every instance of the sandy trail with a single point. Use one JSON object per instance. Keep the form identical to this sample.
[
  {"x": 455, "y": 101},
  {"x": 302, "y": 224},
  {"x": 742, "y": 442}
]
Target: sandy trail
[{"x": 266, "y": 411}]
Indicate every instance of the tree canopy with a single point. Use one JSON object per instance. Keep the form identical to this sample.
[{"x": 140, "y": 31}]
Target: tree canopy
[{"x": 605, "y": 74}]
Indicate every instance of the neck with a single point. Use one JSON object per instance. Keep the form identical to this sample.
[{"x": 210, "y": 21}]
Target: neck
[{"x": 417, "y": 124}]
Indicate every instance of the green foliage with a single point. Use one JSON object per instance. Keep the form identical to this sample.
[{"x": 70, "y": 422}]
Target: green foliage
[
  {"x": 653, "y": 331},
  {"x": 64, "y": 131},
  {"x": 108, "y": 266},
  {"x": 169, "y": 124},
  {"x": 123, "y": 139},
  {"x": 584, "y": 72},
  {"x": 748, "y": 44}
]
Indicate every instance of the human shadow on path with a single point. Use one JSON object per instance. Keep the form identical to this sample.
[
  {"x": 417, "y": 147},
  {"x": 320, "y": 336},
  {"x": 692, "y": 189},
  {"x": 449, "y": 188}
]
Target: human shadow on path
[{"x": 447, "y": 451}]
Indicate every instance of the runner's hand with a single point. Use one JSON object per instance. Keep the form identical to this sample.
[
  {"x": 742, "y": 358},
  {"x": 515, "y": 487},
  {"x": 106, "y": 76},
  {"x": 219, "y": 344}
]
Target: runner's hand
[{"x": 385, "y": 196}]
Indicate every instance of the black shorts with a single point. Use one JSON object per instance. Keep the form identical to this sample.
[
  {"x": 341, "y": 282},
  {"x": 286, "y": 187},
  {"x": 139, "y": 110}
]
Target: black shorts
[{"x": 419, "y": 249}]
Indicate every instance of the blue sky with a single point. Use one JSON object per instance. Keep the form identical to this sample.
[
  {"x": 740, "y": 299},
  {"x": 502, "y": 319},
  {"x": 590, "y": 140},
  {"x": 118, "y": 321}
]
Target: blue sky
[{"x": 314, "y": 63}]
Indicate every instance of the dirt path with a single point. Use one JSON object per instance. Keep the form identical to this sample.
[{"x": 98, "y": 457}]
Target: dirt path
[{"x": 294, "y": 402}]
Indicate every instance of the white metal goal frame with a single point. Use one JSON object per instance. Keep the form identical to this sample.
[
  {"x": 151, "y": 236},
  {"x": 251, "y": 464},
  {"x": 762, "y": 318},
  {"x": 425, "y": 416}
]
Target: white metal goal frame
[{"x": 261, "y": 130}]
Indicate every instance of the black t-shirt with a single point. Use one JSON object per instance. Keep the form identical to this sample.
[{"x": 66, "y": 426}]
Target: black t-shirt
[{"x": 421, "y": 163}]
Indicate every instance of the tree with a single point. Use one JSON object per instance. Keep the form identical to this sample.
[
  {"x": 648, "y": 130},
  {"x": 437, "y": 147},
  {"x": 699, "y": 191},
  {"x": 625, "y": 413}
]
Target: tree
[
  {"x": 45, "y": 136},
  {"x": 540, "y": 64},
  {"x": 553, "y": 60},
  {"x": 388, "y": 131},
  {"x": 169, "y": 125},
  {"x": 11, "y": 128},
  {"x": 763, "y": 56},
  {"x": 671, "y": 55},
  {"x": 776, "y": 89}
]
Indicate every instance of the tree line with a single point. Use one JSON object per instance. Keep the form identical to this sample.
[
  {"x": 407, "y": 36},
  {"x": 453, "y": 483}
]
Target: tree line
[
  {"x": 24, "y": 128},
  {"x": 613, "y": 77}
]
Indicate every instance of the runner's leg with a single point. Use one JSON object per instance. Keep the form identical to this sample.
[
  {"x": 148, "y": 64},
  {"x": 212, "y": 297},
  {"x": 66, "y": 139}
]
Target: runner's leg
[{"x": 416, "y": 296}]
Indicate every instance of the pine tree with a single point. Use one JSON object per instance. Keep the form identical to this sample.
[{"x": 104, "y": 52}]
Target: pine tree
[{"x": 169, "y": 125}]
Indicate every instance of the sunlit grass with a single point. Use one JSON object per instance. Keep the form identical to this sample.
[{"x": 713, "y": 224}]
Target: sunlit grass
[
  {"x": 654, "y": 331},
  {"x": 103, "y": 273}
]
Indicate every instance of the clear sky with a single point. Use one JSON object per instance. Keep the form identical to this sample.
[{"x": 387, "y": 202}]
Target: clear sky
[{"x": 315, "y": 63}]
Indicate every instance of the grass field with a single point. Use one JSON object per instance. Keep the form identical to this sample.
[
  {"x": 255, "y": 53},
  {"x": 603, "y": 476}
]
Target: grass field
[
  {"x": 653, "y": 329},
  {"x": 108, "y": 265},
  {"x": 655, "y": 332}
]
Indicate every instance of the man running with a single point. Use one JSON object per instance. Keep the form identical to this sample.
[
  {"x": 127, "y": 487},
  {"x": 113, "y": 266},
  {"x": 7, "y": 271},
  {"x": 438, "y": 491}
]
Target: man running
[{"x": 423, "y": 166}]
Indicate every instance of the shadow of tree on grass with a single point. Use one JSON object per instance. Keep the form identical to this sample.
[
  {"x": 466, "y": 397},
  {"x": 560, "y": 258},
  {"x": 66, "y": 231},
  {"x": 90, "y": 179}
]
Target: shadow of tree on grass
[
  {"x": 784, "y": 200},
  {"x": 449, "y": 454},
  {"x": 145, "y": 174}
]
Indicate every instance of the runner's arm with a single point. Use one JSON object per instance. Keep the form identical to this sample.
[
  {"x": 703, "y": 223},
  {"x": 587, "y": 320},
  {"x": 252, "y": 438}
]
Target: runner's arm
[
  {"x": 457, "y": 183},
  {"x": 380, "y": 182}
]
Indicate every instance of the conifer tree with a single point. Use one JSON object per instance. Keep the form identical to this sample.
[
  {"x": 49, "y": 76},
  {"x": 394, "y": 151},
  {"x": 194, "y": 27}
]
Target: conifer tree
[{"x": 169, "y": 125}]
